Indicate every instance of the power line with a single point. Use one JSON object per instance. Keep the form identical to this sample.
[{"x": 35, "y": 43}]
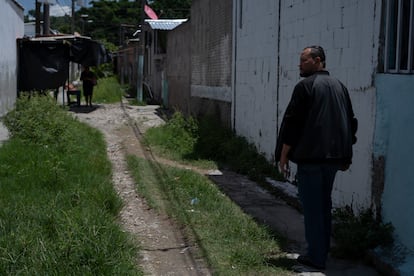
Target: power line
[{"x": 63, "y": 10}]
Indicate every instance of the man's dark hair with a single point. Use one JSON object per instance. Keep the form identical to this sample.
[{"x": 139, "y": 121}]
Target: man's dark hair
[{"x": 317, "y": 51}]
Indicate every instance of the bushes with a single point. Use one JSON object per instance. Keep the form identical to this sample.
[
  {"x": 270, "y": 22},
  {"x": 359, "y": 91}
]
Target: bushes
[
  {"x": 191, "y": 139},
  {"x": 39, "y": 120},
  {"x": 108, "y": 90},
  {"x": 177, "y": 137}
]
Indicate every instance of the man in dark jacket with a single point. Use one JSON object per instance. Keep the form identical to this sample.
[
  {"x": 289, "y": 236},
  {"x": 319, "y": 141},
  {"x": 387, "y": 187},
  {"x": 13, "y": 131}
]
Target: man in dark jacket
[{"x": 317, "y": 133}]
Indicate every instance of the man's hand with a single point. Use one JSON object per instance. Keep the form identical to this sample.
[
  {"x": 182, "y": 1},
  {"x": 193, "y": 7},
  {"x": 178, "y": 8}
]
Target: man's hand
[
  {"x": 284, "y": 161},
  {"x": 344, "y": 167}
]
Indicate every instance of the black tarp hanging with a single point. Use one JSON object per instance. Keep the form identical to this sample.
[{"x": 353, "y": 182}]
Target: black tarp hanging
[
  {"x": 88, "y": 52},
  {"x": 44, "y": 63}
]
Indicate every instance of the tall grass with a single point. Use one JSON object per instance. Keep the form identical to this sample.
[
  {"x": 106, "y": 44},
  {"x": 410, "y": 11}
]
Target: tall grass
[
  {"x": 231, "y": 241},
  {"x": 58, "y": 208},
  {"x": 356, "y": 234},
  {"x": 108, "y": 90},
  {"x": 189, "y": 140}
]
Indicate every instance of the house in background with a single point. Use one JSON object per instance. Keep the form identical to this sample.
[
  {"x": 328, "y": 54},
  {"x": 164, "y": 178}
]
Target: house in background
[
  {"x": 244, "y": 70},
  {"x": 12, "y": 22},
  {"x": 155, "y": 40},
  {"x": 156, "y": 32},
  {"x": 126, "y": 63}
]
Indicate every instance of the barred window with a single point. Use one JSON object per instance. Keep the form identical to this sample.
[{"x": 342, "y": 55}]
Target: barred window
[{"x": 399, "y": 43}]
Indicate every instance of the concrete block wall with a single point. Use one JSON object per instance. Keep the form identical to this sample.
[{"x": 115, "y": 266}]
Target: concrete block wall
[
  {"x": 349, "y": 33},
  {"x": 348, "y": 30},
  {"x": 211, "y": 48},
  {"x": 178, "y": 67},
  {"x": 11, "y": 28},
  {"x": 255, "y": 80},
  {"x": 199, "y": 62}
]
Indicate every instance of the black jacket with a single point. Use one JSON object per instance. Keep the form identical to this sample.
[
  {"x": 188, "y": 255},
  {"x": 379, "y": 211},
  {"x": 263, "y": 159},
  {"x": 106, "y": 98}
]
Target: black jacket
[{"x": 319, "y": 123}]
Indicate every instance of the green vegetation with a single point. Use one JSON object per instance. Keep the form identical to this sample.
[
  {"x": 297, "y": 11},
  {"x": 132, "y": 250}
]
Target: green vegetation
[
  {"x": 108, "y": 90},
  {"x": 172, "y": 9},
  {"x": 134, "y": 101},
  {"x": 176, "y": 139},
  {"x": 231, "y": 241},
  {"x": 189, "y": 140},
  {"x": 38, "y": 120},
  {"x": 58, "y": 213},
  {"x": 356, "y": 234},
  {"x": 58, "y": 209}
]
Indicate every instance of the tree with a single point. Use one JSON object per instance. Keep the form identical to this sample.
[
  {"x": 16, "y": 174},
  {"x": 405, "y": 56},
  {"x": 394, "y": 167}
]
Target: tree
[
  {"x": 114, "y": 21},
  {"x": 107, "y": 18},
  {"x": 172, "y": 8}
]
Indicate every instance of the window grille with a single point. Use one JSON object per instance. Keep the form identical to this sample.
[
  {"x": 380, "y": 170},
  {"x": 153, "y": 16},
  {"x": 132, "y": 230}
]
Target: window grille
[{"x": 399, "y": 43}]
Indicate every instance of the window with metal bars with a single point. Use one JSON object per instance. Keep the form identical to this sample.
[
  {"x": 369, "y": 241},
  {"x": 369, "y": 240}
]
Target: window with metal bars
[{"x": 399, "y": 43}]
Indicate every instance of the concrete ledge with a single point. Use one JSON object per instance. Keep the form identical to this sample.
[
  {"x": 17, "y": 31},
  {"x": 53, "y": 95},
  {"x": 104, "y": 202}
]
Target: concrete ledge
[{"x": 212, "y": 92}]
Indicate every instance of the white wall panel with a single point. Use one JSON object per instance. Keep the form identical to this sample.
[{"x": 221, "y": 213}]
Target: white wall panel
[
  {"x": 11, "y": 28},
  {"x": 349, "y": 32}
]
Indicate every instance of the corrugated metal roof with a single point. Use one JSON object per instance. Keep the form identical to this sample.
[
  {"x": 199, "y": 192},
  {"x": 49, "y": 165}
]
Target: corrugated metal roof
[{"x": 165, "y": 24}]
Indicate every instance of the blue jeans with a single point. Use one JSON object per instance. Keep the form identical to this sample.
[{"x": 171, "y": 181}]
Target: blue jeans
[{"x": 315, "y": 183}]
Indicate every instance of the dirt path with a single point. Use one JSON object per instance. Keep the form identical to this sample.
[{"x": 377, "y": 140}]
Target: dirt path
[{"x": 164, "y": 249}]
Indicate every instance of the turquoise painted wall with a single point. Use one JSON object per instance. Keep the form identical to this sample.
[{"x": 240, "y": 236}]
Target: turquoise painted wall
[{"x": 394, "y": 139}]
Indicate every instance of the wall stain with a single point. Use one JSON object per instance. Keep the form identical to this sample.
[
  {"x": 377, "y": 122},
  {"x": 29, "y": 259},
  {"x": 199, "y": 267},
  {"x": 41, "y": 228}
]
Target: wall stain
[{"x": 378, "y": 179}]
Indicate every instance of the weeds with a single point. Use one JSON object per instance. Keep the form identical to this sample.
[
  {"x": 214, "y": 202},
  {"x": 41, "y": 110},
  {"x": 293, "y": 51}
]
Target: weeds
[
  {"x": 108, "y": 90},
  {"x": 355, "y": 235},
  {"x": 179, "y": 135},
  {"x": 38, "y": 120},
  {"x": 188, "y": 139},
  {"x": 58, "y": 208},
  {"x": 231, "y": 241}
]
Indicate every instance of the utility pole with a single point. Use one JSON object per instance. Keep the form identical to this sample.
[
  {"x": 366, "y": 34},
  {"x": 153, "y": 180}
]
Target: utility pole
[
  {"x": 72, "y": 22},
  {"x": 141, "y": 52},
  {"x": 71, "y": 76},
  {"x": 37, "y": 12},
  {"x": 46, "y": 19}
]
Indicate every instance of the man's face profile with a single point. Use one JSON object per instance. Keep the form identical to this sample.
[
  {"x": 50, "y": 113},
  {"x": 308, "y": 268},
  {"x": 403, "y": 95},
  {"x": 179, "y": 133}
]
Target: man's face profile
[{"x": 307, "y": 65}]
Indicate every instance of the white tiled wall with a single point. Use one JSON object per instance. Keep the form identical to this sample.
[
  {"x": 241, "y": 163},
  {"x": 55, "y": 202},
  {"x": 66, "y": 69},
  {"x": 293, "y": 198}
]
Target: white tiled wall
[{"x": 348, "y": 30}]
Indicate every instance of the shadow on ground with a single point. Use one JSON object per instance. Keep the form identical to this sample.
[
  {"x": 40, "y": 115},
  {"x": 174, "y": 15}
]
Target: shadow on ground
[
  {"x": 83, "y": 108},
  {"x": 272, "y": 211}
]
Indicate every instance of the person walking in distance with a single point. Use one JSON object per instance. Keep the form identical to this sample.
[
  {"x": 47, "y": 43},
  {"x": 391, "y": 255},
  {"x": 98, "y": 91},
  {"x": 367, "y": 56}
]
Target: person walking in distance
[
  {"x": 317, "y": 133},
  {"x": 88, "y": 79}
]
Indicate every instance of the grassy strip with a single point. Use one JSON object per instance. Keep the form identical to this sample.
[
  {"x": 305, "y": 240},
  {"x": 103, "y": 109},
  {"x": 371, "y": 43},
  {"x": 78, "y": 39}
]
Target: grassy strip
[
  {"x": 108, "y": 90},
  {"x": 58, "y": 209},
  {"x": 205, "y": 142},
  {"x": 230, "y": 240}
]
